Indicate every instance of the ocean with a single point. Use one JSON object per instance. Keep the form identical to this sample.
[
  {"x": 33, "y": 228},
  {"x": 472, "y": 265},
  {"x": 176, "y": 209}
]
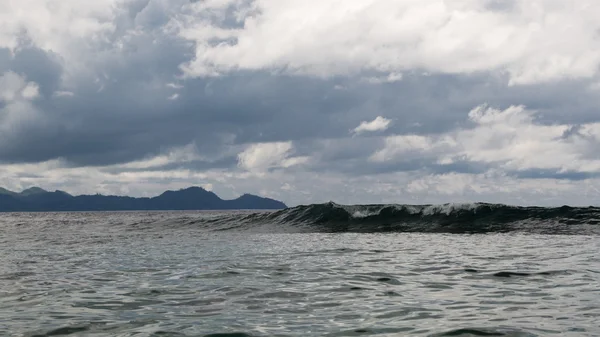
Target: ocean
[{"x": 319, "y": 270}]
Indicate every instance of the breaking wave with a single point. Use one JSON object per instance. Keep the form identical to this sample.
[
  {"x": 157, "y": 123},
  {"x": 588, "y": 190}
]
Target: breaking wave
[{"x": 448, "y": 218}]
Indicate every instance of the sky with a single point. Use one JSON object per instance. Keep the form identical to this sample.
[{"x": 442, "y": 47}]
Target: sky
[{"x": 305, "y": 101}]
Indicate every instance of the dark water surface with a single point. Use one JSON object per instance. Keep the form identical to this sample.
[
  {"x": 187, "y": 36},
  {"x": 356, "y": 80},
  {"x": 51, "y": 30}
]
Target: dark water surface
[{"x": 172, "y": 274}]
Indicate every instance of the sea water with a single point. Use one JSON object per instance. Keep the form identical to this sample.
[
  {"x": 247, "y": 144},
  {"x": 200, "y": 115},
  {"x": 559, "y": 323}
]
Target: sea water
[{"x": 172, "y": 274}]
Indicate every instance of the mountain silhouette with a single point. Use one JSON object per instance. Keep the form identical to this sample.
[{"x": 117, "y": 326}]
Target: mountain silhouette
[
  {"x": 33, "y": 191},
  {"x": 36, "y": 199}
]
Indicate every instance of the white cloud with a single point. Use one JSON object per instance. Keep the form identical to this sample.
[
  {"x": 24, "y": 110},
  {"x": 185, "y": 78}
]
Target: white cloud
[
  {"x": 263, "y": 156},
  {"x": 306, "y": 187},
  {"x": 533, "y": 41},
  {"x": 173, "y": 97},
  {"x": 17, "y": 111},
  {"x": 378, "y": 124},
  {"x": 63, "y": 94},
  {"x": 174, "y": 86},
  {"x": 52, "y": 25},
  {"x": 177, "y": 155},
  {"x": 390, "y": 78},
  {"x": 14, "y": 86},
  {"x": 511, "y": 139},
  {"x": 402, "y": 145},
  {"x": 66, "y": 27},
  {"x": 31, "y": 91},
  {"x": 10, "y": 85}
]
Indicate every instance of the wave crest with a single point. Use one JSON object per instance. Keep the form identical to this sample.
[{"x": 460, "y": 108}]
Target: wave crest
[{"x": 445, "y": 218}]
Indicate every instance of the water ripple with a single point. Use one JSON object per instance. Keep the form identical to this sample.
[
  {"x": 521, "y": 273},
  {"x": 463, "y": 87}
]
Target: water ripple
[{"x": 90, "y": 274}]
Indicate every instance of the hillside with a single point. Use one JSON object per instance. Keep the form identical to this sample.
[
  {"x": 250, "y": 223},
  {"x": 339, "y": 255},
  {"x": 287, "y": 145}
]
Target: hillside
[{"x": 36, "y": 199}]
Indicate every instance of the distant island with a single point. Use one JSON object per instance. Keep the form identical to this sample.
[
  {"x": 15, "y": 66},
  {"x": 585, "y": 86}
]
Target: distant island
[{"x": 36, "y": 199}]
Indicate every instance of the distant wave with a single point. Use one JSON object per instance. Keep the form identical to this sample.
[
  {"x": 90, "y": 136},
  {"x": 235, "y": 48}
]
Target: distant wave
[{"x": 447, "y": 218}]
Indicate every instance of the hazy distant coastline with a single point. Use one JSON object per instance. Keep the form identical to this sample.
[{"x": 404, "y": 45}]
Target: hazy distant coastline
[{"x": 36, "y": 199}]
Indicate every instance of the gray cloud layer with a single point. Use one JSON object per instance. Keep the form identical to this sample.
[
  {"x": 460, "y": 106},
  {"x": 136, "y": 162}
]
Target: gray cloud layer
[{"x": 407, "y": 102}]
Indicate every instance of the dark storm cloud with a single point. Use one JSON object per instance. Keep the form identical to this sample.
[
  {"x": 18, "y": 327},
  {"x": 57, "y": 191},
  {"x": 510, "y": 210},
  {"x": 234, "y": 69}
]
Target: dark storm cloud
[
  {"x": 127, "y": 116},
  {"x": 39, "y": 66}
]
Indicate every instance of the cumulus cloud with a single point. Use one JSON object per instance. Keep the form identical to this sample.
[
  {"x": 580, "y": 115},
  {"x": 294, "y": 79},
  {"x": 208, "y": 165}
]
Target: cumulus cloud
[
  {"x": 390, "y": 78},
  {"x": 378, "y": 124},
  {"x": 31, "y": 91},
  {"x": 532, "y": 41},
  {"x": 174, "y": 86},
  {"x": 11, "y": 84},
  {"x": 264, "y": 156},
  {"x": 510, "y": 139},
  {"x": 17, "y": 112}
]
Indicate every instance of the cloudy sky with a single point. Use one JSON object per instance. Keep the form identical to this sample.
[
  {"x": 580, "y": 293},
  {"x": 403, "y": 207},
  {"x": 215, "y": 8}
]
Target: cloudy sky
[{"x": 356, "y": 101}]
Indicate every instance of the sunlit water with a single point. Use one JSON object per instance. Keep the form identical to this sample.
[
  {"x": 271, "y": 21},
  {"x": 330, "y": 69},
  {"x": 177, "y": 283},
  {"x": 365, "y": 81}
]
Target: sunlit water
[{"x": 138, "y": 274}]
